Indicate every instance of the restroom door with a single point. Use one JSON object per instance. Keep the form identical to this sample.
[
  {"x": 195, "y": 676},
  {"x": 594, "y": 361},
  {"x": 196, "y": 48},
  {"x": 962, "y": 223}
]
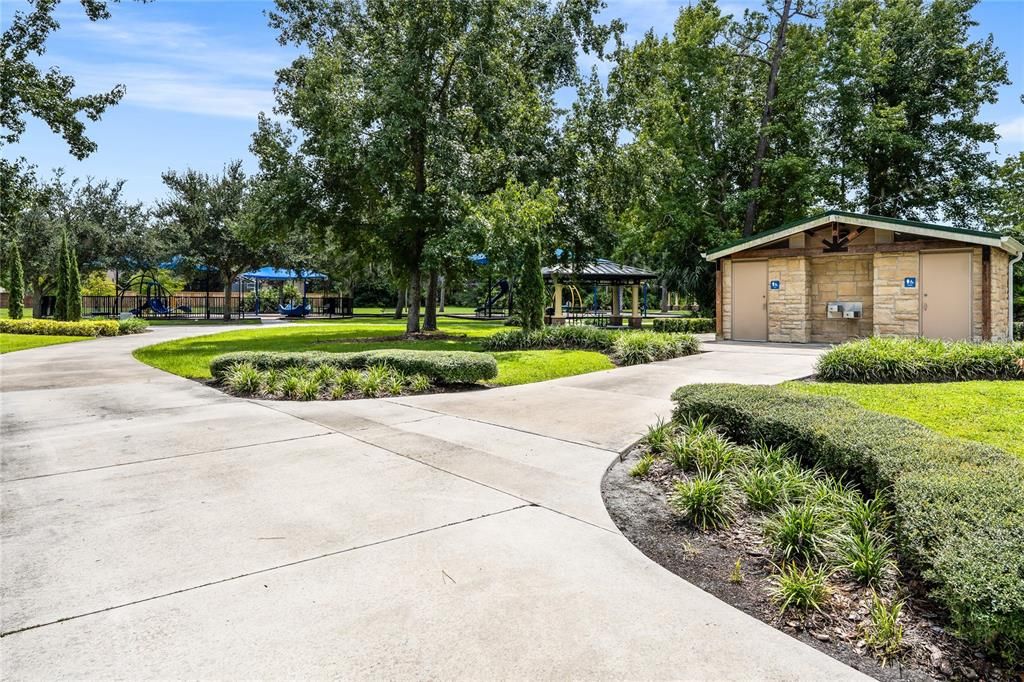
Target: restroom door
[
  {"x": 750, "y": 300},
  {"x": 946, "y": 295}
]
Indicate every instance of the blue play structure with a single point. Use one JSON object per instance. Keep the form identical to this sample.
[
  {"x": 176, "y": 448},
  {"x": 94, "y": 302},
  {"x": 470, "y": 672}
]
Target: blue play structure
[
  {"x": 294, "y": 310},
  {"x": 269, "y": 274}
]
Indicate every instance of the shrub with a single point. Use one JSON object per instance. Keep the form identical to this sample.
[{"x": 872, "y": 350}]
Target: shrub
[
  {"x": 801, "y": 588},
  {"x": 132, "y": 325},
  {"x": 442, "y": 367},
  {"x": 640, "y": 347},
  {"x": 60, "y": 328},
  {"x": 1018, "y": 331},
  {"x": 888, "y": 360},
  {"x": 690, "y": 325},
  {"x": 704, "y": 501},
  {"x": 957, "y": 506}
]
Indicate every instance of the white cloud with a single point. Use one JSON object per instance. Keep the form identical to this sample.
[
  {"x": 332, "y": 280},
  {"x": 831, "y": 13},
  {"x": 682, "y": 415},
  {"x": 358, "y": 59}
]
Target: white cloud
[
  {"x": 1012, "y": 131},
  {"x": 171, "y": 65}
]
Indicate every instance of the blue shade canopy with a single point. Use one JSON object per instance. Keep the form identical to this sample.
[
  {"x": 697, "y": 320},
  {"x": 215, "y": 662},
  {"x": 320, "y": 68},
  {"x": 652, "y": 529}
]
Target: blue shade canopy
[
  {"x": 273, "y": 274},
  {"x": 479, "y": 259}
]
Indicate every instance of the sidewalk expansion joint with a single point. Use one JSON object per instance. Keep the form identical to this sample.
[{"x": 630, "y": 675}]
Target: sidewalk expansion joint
[
  {"x": 531, "y": 503},
  {"x": 161, "y": 459},
  {"x": 260, "y": 571}
]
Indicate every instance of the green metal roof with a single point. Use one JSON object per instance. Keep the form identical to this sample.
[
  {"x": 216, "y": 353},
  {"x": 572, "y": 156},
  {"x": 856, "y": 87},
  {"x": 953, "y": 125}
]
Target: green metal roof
[{"x": 1007, "y": 243}]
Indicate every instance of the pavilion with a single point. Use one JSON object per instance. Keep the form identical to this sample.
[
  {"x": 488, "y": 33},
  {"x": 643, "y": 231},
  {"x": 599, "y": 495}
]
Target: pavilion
[{"x": 601, "y": 272}]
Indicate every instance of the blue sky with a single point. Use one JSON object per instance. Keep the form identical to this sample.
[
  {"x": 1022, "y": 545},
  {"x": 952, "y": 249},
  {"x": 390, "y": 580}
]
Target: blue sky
[{"x": 198, "y": 72}]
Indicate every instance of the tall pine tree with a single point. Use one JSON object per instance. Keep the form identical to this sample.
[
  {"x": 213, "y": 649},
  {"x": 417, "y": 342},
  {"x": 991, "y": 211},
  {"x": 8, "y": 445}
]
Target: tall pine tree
[
  {"x": 74, "y": 286},
  {"x": 16, "y": 294}
]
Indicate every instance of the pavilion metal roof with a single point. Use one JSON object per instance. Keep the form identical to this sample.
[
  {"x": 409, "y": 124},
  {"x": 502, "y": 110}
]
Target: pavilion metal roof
[{"x": 601, "y": 270}]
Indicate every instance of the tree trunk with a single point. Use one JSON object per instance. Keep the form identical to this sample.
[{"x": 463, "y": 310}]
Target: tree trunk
[
  {"x": 400, "y": 304},
  {"x": 440, "y": 304},
  {"x": 37, "y": 301},
  {"x": 412, "y": 323},
  {"x": 430, "y": 319},
  {"x": 753, "y": 208},
  {"x": 665, "y": 302},
  {"x": 227, "y": 298}
]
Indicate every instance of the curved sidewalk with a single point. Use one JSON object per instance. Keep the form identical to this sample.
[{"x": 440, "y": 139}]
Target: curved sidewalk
[{"x": 155, "y": 527}]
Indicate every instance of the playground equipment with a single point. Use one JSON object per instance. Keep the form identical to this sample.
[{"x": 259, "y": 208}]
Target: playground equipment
[
  {"x": 493, "y": 297},
  {"x": 294, "y": 310},
  {"x": 155, "y": 297}
]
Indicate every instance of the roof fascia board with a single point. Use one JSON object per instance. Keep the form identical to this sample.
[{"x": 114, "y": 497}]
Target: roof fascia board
[{"x": 1008, "y": 244}]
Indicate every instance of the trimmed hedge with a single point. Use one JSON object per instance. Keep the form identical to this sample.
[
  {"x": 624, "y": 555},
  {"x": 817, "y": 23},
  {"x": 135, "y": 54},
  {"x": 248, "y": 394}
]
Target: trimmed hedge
[
  {"x": 443, "y": 367},
  {"x": 958, "y": 505},
  {"x": 889, "y": 360},
  {"x": 56, "y": 328},
  {"x": 691, "y": 325},
  {"x": 562, "y": 337}
]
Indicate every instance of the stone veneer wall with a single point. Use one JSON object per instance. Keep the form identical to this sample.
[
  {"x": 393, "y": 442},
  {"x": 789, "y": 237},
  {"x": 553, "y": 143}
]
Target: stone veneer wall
[
  {"x": 727, "y": 298},
  {"x": 1000, "y": 302},
  {"x": 897, "y": 310},
  {"x": 841, "y": 278},
  {"x": 976, "y": 308},
  {"x": 787, "y": 306}
]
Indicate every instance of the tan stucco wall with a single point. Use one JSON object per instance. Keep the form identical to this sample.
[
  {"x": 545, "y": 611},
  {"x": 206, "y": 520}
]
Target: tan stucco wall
[
  {"x": 841, "y": 278},
  {"x": 897, "y": 310},
  {"x": 788, "y": 319}
]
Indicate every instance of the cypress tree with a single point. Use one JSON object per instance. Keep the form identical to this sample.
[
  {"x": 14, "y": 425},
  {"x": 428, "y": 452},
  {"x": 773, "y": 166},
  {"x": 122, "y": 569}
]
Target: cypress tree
[
  {"x": 74, "y": 286},
  {"x": 15, "y": 307},
  {"x": 60, "y": 311},
  {"x": 530, "y": 300}
]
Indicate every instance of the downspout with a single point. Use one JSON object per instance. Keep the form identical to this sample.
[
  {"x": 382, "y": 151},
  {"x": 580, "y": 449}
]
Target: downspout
[{"x": 1013, "y": 262}]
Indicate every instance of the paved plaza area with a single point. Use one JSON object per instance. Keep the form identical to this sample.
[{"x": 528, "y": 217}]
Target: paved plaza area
[{"x": 154, "y": 527}]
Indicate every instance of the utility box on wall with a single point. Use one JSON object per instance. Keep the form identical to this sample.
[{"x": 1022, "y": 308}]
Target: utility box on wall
[{"x": 845, "y": 310}]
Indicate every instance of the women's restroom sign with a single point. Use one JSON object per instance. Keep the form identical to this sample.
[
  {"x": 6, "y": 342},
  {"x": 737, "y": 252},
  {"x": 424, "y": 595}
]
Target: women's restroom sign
[
  {"x": 775, "y": 284},
  {"x": 910, "y": 282}
]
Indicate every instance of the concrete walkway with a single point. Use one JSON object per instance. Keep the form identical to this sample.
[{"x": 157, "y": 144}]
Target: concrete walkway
[{"x": 154, "y": 527}]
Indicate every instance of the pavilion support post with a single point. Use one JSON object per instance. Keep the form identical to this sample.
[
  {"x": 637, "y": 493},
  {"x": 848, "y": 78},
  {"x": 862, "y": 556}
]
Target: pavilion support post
[
  {"x": 634, "y": 319},
  {"x": 559, "y": 315},
  {"x": 616, "y": 318}
]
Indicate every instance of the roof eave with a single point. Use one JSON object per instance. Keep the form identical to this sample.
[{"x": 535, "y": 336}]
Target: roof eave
[{"x": 1008, "y": 244}]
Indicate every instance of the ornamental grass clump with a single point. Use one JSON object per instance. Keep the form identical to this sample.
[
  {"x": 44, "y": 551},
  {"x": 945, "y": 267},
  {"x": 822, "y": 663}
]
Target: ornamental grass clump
[
  {"x": 868, "y": 556},
  {"x": 641, "y": 347},
  {"x": 804, "y": 588},
  {"x": 244, "y": 379},
  {"x": 889, "y": 360},
  {"x": 798, "y": 532},
  {"x": 764, "y": 489},
  {"x": 705, "y": 501},
  {"x": 883, "y": 632}
]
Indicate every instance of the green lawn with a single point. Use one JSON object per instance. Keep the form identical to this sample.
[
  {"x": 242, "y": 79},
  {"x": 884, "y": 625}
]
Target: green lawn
[
  {"x": 191, "y": 357},
  {"x": 27, "y": 312},
  {"x": 986, "y": 411},
  {"x": 12, "y": 342}
]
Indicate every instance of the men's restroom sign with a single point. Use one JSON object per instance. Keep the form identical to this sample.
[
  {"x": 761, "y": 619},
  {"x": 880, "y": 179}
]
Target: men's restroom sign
[
  {"x": 775, "y": 284},
  {"x": 910, "y": 282}
]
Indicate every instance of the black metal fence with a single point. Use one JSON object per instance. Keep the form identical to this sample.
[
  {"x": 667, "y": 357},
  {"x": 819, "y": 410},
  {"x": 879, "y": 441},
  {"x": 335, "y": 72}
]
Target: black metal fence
[{"x": 185, "y": 305}]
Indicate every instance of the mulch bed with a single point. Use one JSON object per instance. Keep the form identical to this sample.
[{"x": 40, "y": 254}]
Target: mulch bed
[{"x": 640, "y": 509}]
